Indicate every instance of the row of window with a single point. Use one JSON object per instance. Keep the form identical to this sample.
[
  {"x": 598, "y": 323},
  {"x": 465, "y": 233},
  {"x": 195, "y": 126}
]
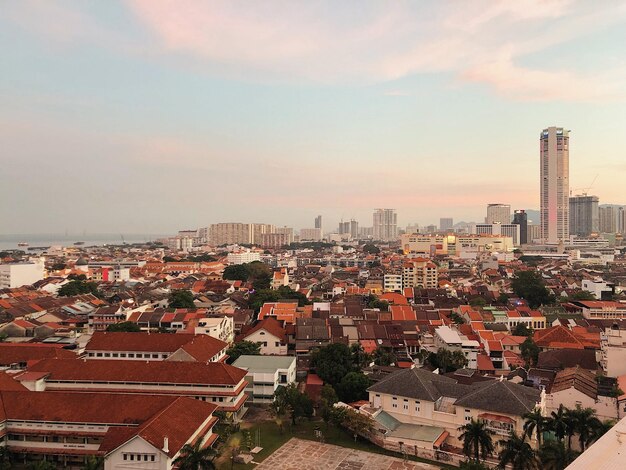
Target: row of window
[
  {"x": 130, "y": 355},
  {"x": 139, "y": 457}
]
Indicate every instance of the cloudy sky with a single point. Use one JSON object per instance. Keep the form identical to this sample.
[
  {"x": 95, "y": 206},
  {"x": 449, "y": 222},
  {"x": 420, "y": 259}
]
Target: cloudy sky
[{"x": 149, "y": 116}]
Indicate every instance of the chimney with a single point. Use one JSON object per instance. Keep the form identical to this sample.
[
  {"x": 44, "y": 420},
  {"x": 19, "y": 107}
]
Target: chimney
[{"x": 166, "y": 443}]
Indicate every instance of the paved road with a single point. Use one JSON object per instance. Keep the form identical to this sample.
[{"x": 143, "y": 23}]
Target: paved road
[{"x": 299, "y": 454}]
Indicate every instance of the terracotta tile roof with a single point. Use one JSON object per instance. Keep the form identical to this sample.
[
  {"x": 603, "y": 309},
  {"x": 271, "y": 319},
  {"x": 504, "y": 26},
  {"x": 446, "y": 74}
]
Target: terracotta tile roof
[
  {"x": 402, "y": 312},
  {"x": 9, "y": 384},
  {"x": 140, "y": 371},
  {"x": 201, "y": 347},
  {"x": 269, "y": 324},
  {"x": 16, "y": 353}
]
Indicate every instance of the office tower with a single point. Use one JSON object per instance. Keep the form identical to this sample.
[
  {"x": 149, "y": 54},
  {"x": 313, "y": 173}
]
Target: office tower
[
  {"x": 385, "y": 224},
  {"x": 354, "y": 229},
  {"x": 521, "y": 218},
  {"x": 607, "y": 215},
  {"x": 554, "y": 176},
  {"x": 584, "y": 216},
  {"x": 446, "y": 224},
  {"x": 498, "y": 214},
  {"x": 318, "y": 222}
]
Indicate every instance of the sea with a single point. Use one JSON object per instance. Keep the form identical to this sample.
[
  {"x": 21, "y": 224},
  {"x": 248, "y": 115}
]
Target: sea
[{"x": 10, "y": 241}]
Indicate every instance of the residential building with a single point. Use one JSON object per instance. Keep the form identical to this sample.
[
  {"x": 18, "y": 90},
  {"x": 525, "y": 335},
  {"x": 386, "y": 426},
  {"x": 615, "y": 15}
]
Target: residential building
[
  {"x": 600, "y": 289},
  {"x": 128, "y": 431},
  {"x": 554, "y": 178},
  {"x": 288, "y": 231},
  {"x": 602, "y": 310},
  {"x": 266, "y": 374},
  {"x": 420, "y": 273},
  {"x": 416, "y": 397},
  {"x": 354, "y": 229},
  {"x": 155, "y": 347},
  {"x": 215, "y": 382},
  {"x": 392, "y": 282},
  {"x": 608, "y": 218},
  {"x": 243, "y": 256},
  {"x": 311, "y": 234},
  {"x": 280, "y": 278},
  {"x": 230, "y": 234},
  {"x": 21, "y": 274},
  {"x": 318, "y": 223},
  {"x": 16, "y": 356},
  {"x": 584, "y": 218},
  {"x": 220, "y": 327},
  {"x": 446, "y": 224},
  {"x": 576, "y": 386},
  {"x": 385, "y": 223},
  {"x": 102, "y": 318},
  {"x": 113, "y": 273},
  {"x": 450, "y": 339},
  {"x": 275, "y": 240},
  {"x": 269, "y": 334},
  {"x": 258, "y": 230},
  {"x": 521, "y": 218},
  {"x": 613, "y": 351},
  {"x": 498, "y": 214}
]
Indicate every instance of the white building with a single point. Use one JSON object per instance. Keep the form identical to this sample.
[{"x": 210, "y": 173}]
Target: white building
[
  {"x": 221, "y": 328},
  {"x": 597, "y": 287},
  {"x": 243, "y": 256},
  {"x": 385, "y": 224},
  {"x": 265, "y": 374},
  {"x": 508, "y": 230},
  {"x": 392, "y": 283},
  {"x": 447, "y": 338},
  {"x": 310, "y": 234},
  {"x": 498, "y": 214},
  {"x": 613, "y": 351},
  {"x": 21, "y": 274},
  {"x": 554, "y": 178}
]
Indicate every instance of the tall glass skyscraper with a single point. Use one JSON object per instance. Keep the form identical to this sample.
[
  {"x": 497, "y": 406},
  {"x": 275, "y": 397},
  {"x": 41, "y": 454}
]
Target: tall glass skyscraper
[{"x": 554, "y": 171}]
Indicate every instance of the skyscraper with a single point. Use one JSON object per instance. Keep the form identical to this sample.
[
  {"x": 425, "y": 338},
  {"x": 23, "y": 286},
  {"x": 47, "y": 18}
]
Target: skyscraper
[
  {"x": 554, "y": 174},
  {"x": 521, "y": 218},
  {"x": 385, "y": 224},
  {"x": 318, "y": 222},
  {"x": 446, "y": 223},
  {"x": 498, "y": 214},
  {"x": 354, "y": 229},
  {"x": 583, "y": 215},
  {"x": 608, "y": 215}
]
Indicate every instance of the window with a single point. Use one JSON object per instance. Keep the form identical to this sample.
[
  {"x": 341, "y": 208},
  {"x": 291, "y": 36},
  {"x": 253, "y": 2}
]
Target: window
[
  {"x": 417, "y": 406},
  {"x": 394, "y": 402}
]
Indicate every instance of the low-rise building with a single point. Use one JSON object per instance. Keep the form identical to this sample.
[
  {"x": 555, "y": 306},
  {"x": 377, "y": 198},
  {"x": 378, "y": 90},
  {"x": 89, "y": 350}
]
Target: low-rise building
[
  {"x": 218, "y": 327},
  {"x": 243, "y": 256},
  {"x": 447, "y": 338},
  {"x": 269, "y": 334},
  {"x": 266, "y": 374},
  {"x": 21, "y": 274}
]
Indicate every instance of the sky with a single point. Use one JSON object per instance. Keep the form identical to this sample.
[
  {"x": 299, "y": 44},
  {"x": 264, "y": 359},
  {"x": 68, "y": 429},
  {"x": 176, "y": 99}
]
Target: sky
[{"x": 150, "y": 116}]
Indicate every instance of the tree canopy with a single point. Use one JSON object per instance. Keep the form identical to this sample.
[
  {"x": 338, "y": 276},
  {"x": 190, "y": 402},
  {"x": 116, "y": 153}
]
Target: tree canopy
[
  {"x": 79, "y": 286},
  {"x": 529, "y": 351},
  {"x": 529, "y": 285},
  {"x": 353, "y": 387},
  {"x": 446, "y": 360},
  {"x": 243, "y": 348},
  {"x": 181, "y": 299},
  {"x": 294, "y": 401},
  {"x": 371, "y": 248},
  {"x": 332, "y": 362},
  {"x": 125, "y": 326},
  {"x": 259, "y": 297}
]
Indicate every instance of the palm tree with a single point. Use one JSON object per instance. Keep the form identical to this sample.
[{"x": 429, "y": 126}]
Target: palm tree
[
  {"x": 600, "y": 429},
  {"x": 477, "y": 440},
  {"x": 584, "y": 421},
  {"x": 555, "y": 456},
  {"x": 94, "y": 463},
  {"x": 195, "y": 457},
  {"x": 517, "y": 452},
  {"x": 535, "y": 421},
  {"x": 560, "y": 423}
]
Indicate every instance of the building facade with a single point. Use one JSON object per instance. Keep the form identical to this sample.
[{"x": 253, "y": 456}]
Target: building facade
[
  {"x": 385, "y": 223},
  {"x": 584, "y": 218},
  {"x": 498, "y": 214},
  {"x": 521, "y": 218}
]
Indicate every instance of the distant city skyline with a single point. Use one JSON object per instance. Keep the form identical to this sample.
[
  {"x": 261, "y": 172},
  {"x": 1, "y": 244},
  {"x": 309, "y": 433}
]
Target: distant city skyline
[{"x": 128, "y": 117}]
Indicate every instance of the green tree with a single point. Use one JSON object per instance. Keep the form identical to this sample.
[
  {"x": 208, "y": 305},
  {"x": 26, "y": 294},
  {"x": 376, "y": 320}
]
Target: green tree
[
  {"x": 384, "y": 356},
  {"x": 554, "y": 455},
  {"x": 332, "y": 362},
  {"x": 296, "y": 403},
  {"x": 94, "y": 463},
  {"x": 328, "y": 397},
  {"x": 5, "y": 458},
  {"x": 517, "y": 453},
  {"x": 584, "y": 421},
  {"x": 529, "y": 285},
  {"x": 371, "y": 249},
  {"x": 243, "y": 348},
  {"x": 125, "y": 326},
  {"x": 181, "y": 299},
  {"x": 456, "y": 318},
  {"x": 529, "y": 351},
  {"x": 446, "y": 360},
  {"x": 236, "y": 272},
  {"x": 353, "y": 387},
  {"x": 583, "y": 295},
  {"x": 477, "y": 302},
  {"x": 360, "y": 359},
  {"x": 41, "y": 465},
  {"x": 195, "y": 457},
  {"x": 58, "y": 266},
  {"x": 522, "y": 329},
  {"x": 477, "y": 440},
  {"x": 358, "y": 423},
  {"x": 78, "y": 287},
  {"x": 560, "y": 423},
  {"x": 535, "y": 422}
]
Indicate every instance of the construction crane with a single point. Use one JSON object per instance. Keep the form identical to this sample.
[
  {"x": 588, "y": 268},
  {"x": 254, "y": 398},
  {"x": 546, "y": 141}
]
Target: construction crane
[{"x": 585, "y": 191}]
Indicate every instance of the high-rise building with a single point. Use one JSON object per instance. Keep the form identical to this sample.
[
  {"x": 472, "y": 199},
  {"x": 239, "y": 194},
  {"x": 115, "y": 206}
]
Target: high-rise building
[
  {"x": 354, "y": 229},
  {"x": 554, "y": 175},
  {"x": 621, "y": 220},
  {"x": 498, "y": 214},
  {"x": 230, "y": 233},
  {"x": 308, "y": 234},
  {"x": 385, "y": 224},
  {"x": 318, "y": 222},
  {"x": 521, "y": 218},
  {"x": 446, "y": 223},
  {"x": 344, "y": 228},
  {"x": 258, "y": 230},
  {"x": 608, "y": 218},
  {"x": 584, "y": 216}
]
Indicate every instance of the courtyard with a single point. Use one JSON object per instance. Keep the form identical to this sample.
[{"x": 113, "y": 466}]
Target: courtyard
[{"x": 299, "y": 454}]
